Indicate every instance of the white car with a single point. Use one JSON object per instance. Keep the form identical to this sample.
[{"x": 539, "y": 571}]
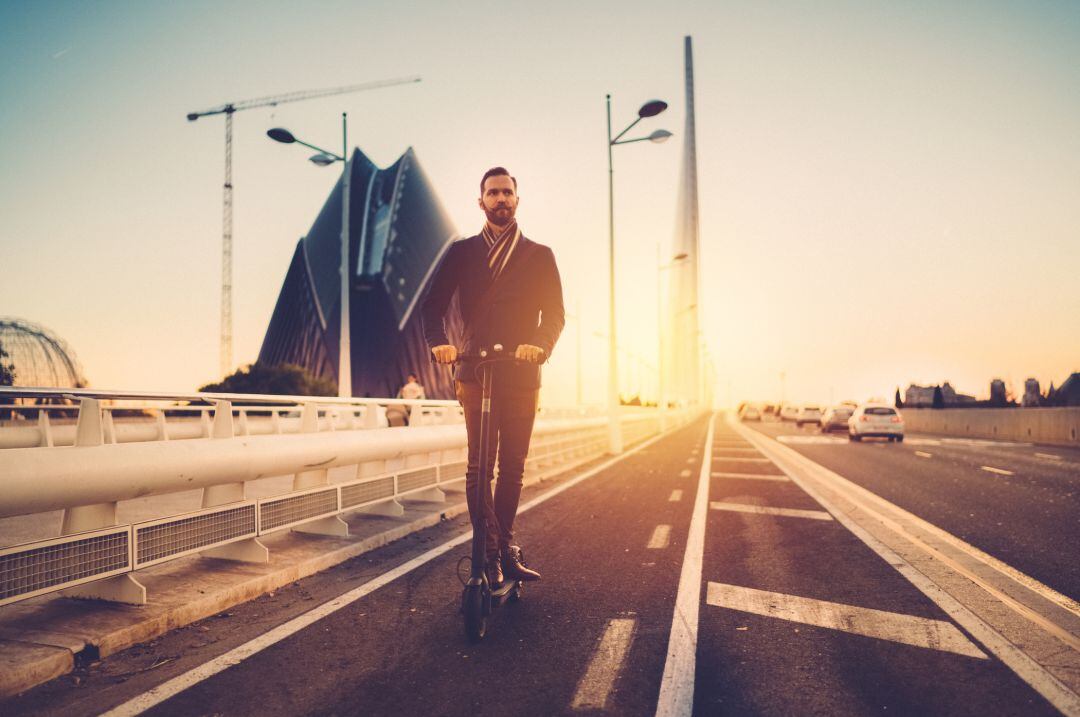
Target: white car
[
  {"x": 788, "y": 412},
  {"x": 836, "y": 418},
  {"x": 876, "y": 420},
  {"x": 751, "y": 413},
  {"x": 807, "y": 414}
]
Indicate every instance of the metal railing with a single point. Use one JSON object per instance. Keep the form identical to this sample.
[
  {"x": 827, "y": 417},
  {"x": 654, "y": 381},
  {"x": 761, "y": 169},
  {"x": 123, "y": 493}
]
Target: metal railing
[{"x": 218, "y": 443}]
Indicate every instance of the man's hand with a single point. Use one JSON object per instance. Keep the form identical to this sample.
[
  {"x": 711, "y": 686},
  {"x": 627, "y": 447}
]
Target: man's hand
[
  {"x": 445, "y": 353},
  {"x": 530, "y": 353}
]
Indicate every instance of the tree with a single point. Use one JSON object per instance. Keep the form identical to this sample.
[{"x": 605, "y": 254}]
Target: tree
[
  {"x": 939, "y": 398},
  {"x": 898, "y": 402},
  {"x": 282, "y": 379},
  {"x": 7, "y": 370}
]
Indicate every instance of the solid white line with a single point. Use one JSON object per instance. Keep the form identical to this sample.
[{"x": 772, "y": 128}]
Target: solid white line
[
  {"x": 906, "y": 629},
  {"x": 999, "y": 471},
  {"x": 178, "y": 684},
  {"x": 1022, "y": 664},
  {"x": 661, "y": 538},
  {"x": 684, "y": 473},
  {"x": 676, "y": 496},
  {"x": 766, "y": 510},
  {"x": 677, "y": 683},
  {"x": 922, "y": 454},
  {"x": 597, "y": 683},
  {"x": 1048, "y": 456},
  {"x": 754, "y": 476},
  {"x": 737, "y": 450},
  {"x": 741, "y": 460}
]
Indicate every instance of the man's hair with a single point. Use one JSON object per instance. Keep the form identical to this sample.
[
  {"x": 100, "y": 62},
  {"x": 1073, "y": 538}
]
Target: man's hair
[
  {"x": 496, "y": 172},
  {"x": 412, "y": 376}
]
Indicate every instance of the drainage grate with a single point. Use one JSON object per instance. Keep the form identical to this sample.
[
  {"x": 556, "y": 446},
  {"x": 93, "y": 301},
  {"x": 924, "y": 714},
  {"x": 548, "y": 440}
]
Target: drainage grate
[
  {"x": 48, "y": 565},
  {"x": 367, "y": 491},
  {"x": 280, "y": 512},
  {"x": 159, "y": 540},
  {"x": 419, "y": 478}
]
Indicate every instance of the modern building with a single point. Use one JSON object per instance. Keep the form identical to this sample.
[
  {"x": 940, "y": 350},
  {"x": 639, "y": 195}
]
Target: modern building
[
  {"x": 398, "y": 232},
  {"x": 37, "y": 357}
]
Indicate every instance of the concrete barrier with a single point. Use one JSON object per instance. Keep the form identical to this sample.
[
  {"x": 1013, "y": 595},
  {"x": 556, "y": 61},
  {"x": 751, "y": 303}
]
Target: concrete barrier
[{"x": 1052, "y": 426}]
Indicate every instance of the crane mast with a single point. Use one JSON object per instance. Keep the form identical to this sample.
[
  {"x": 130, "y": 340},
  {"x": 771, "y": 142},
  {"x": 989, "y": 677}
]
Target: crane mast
[{"x": 225, "y": 351}]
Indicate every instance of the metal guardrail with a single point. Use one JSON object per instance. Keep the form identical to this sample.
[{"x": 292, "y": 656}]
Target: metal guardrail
[{"x": 112, "y": 460}]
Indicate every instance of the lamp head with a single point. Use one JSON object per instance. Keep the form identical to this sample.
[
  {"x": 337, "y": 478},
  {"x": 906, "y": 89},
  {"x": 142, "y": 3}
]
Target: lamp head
[
  {"x": 652, "y": 108},
  {"x": 660, "y": 135},
  {"x": 280, "y": 134},
  {"x": 322, "y": 159}
]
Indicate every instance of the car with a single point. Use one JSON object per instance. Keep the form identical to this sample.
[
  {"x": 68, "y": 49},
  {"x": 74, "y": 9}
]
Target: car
[
  {"x": 878, "y": 420},
  {"x": 751, "y": 413},
  {"x": 807, "y": 414},
  {"x": 836, "y": 418},
  {"x": 788, "y": 412}
]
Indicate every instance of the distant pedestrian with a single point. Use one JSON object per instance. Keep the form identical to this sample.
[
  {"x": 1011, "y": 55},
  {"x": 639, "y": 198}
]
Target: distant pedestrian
[{"x": 411, "y": 391}]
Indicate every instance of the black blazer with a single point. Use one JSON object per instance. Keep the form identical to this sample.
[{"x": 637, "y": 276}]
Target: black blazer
[{"x": 524, "y": 306}]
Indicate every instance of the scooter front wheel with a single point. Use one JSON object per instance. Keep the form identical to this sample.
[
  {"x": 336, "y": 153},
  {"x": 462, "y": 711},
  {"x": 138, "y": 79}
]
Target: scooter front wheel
[{"x": 472, "y": 608}]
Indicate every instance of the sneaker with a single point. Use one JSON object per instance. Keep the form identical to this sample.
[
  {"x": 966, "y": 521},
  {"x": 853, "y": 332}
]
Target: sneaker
[{"x": 514, "y": 567}]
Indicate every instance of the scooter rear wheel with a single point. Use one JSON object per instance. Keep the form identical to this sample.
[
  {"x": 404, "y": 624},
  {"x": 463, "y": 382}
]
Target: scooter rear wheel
[{"x": 472, "y": 607}]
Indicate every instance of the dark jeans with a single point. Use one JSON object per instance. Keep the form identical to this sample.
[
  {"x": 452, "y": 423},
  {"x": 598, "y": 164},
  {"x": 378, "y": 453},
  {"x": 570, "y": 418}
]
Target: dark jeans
[{"x": 512, "y": 412}]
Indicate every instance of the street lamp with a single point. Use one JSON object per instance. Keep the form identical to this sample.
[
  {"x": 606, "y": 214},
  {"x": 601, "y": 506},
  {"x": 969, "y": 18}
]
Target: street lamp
[
  {"x": 324, "y": 159},
  {"x": 649, "y": 109},
  {"x": 660, "y": 269}
]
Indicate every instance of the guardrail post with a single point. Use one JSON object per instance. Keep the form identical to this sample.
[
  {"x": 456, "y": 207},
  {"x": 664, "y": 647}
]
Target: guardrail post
[
  {"x": 332, "y": 525},
  {"x": 204, "y": 423},
  {"x": 118, "y": 588},
  {"x": 162, "y": 428},
  {"x": 45, "y": 428},
  {"x": 249, "y": 550}
]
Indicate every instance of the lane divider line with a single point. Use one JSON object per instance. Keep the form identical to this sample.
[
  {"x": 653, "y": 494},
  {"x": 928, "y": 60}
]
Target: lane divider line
[
  {"x": 677, "y": 683},
  {"x": 895, "y": 627},
  {"x": 1048, "y": 456},
  {"x": 779, "y": 477},
  {"x": 999, "y": 471},
  {"x": 684, "y": 473},
  {"x": 676, "y": 496},
  {"x": 766, "y": 510},
  {"x": 660, "y": 538},
  {"x": 598, "y": 682},
  {"x": 923, "y": 454},
  {"x": 160, "y": 693},
  {"x": 741, "y": 460}
]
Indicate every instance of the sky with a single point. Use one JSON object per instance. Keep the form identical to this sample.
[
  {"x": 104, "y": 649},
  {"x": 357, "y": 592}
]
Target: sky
[{"x": 889, "y": 192}]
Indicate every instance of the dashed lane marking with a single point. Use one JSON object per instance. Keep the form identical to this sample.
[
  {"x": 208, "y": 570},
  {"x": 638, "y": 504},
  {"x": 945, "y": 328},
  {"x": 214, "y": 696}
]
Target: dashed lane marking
[
  {"x": 676, "y": 496},
  {"x": 742, "y": 460},
  {"x": 661, "y": 538},
  {"x": 923, "y": 454},
  {"x": 1048, "y": 456},
  {"x": 691, "y": 459},
  {"x": 598, "y": 682},
  {"x": 684, "y": 473},
  {"x": 895, "y": 627},
  {"x": 766, "y": 510},
  {"x": 999, "y": 471},
  {"x": 812, "y": 440},
  {"x": 677, "y": 683},
  {"x": 731, "y": 449},
  {"x": 752, "y": 476}
]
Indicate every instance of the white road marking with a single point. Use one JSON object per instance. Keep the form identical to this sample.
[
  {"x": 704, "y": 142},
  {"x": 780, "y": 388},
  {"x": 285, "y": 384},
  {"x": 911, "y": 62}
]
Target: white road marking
[
  {"x": 738, "y": 450},
  {"x": 676, "y": 496},
  {"x": 741, "y": 460},
  {"x": 906, "y": 629},
  {"x": 160, "y": 693},
  {"x": 999, "y": 471},
  {"x": 812, "y": 440},
  {"x": 755, "y": 476},
  {"x": 766, "y": 510},
  {"x": 922, "y": 441},
  {"x": 598, "y": 682},
  {"x": 1015, "y": 658},
  {"x": 677, "y": 683},
  {"x": 691, "y": 459},
  {"x": 923, "y": 454},
  {"x": 980, "y": 443},
  {"x": 1048, "y": 456},
  {"x": 684, "y": 473},
  {"x": 661, "y": 538}
]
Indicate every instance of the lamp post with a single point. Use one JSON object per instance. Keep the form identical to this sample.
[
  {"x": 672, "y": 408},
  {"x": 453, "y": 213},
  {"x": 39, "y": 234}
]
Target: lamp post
[
  {"x": 324, "y": 159},
  {"x": 661, "y": 388},
  {"x": 649, "y": 109}
]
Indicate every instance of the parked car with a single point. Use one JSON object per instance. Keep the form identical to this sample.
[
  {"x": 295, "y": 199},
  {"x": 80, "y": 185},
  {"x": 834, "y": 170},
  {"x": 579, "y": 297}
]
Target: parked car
[
  {"x": 789, "y": 412},
  {"x": 807, "y": 414},
  {"x": 878, "y": 420},
  {"x": 751, "y": 413},
  {"x": 836, "y": 418}
]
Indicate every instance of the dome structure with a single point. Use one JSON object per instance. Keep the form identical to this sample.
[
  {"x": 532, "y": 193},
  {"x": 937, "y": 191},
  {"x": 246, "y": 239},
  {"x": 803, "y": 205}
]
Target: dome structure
[{"x": 40, "y": 357}]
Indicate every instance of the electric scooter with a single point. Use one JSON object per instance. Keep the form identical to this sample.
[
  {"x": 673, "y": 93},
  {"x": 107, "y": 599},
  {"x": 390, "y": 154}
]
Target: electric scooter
[{"x": 479, "y": 598}]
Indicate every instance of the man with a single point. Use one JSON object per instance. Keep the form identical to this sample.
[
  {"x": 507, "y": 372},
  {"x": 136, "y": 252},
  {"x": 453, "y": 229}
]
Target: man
[
  {"x": 411, "y": 391},
  {"x": 509, "y": 293}
]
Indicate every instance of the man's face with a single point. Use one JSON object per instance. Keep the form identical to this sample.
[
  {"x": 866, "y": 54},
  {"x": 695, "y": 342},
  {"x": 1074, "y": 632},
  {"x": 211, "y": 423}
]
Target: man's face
[{"x": 499, "y": 200}]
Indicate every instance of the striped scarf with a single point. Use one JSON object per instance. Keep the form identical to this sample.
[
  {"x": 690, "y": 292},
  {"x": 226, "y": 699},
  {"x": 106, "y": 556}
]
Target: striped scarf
[{"x": 500, "y": 245}]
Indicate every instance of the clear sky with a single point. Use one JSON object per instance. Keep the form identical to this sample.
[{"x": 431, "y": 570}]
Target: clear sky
[{"x": 890, "y": 191}]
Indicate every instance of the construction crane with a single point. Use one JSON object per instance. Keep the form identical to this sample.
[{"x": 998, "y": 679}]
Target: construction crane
[{"x": 226, "y": 221}]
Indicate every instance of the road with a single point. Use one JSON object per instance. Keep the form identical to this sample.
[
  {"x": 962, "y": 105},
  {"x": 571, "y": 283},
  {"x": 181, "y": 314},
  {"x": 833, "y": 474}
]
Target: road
[{"x": 775, "y": 608}]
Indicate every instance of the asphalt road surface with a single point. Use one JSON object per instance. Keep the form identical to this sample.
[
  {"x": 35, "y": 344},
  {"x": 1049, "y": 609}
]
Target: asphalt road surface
[{"x": 747, "y": 599}]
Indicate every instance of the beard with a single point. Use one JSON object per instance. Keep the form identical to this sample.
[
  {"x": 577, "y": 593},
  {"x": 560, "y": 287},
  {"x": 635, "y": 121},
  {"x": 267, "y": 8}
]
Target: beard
[{"x": 501, "y": 215}]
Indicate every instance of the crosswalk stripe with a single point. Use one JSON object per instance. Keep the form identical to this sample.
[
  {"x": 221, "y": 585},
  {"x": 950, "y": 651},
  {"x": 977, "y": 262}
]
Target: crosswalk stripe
[
  {"x": 597, "y": 683},
  {"x": 895, "y": 627},
  {"x": 766, "y": 510},
  {"x": 754, "y": 476}
]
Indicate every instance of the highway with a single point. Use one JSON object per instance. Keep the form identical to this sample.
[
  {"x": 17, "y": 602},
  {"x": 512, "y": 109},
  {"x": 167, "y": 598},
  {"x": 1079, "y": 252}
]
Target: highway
[{"x": 692, "y": 571}]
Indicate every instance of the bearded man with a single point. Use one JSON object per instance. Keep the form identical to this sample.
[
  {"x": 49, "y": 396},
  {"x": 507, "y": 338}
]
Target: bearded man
[{"x": 509, "y": 293}]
